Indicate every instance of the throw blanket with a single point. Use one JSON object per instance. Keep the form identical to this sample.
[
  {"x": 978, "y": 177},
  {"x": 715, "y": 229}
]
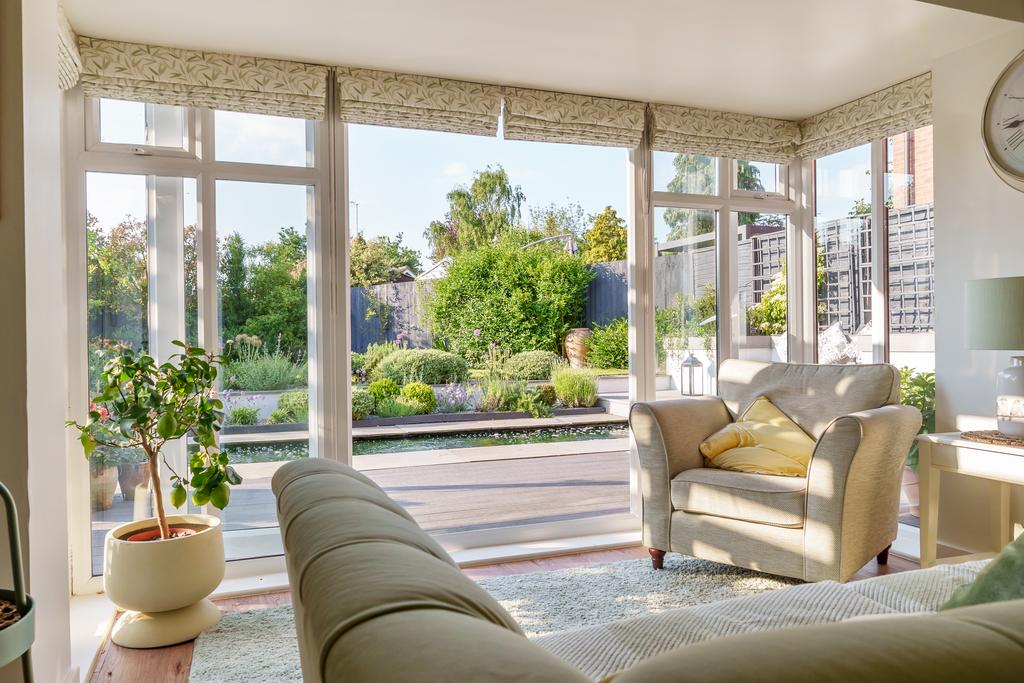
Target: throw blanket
[{"x": 603, "y": 650}]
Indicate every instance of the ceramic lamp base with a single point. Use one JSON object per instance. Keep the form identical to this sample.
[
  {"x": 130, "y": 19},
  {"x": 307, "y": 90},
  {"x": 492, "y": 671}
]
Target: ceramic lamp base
[
  {"x": 159, "y": 629},
  {"x": 1010, "y": 399}
]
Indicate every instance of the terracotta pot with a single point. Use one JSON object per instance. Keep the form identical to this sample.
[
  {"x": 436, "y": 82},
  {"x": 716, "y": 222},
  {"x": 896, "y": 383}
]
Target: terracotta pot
[
  {"x": 102, "y": 485},
  {"x": 577, "y": 346},
  {"x": 163, "y": 584},
  {"x": 130, "y": 475}
]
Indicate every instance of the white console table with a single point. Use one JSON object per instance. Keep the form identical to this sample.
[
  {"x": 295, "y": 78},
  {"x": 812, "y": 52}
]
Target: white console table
[{"x": 950, "y": 453}]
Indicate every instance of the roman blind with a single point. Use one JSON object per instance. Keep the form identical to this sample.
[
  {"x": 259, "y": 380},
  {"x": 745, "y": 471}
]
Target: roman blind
[
  {"x": 386, "y": 98},
  {"x": 544, "y": 116},
  {"x": 688, "y": 130},
  {"x": 166, "y": 75},
  {"x": 896, "y": 109},
  {"x": 69, "y": 62}
]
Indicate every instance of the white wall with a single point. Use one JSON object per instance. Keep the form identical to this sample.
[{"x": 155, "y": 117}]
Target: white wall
[
  {"x": 33, "y": 387},
  {"x": 979, "y": 232}
]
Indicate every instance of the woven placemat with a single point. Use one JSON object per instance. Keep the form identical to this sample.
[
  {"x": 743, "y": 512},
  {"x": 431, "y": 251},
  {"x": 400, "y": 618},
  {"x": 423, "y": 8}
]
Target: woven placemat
[
  {"x": 8, "y": 614},
  {"x": 993, "y": 437}
]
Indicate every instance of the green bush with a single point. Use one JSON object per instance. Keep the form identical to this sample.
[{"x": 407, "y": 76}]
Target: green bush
[
  {"x": 278, "y": 416},
  {"x": 533, "y": 403},
  {"x": 375, "y": 353},
  {"x": 429, "y": 366},
  {"x": 528, "y": 365},
  {"x": 609, "y": 345},
  {"x": 244, "y": 415},
  {"x": 363, "y": 404},
  {"x": 399, "y": 407},
  {"x": 358, "y": 361},
  {"x": 500, "y": 396},
  {"x": 574, "y": 388},
  {"x": 264, "y": 372},
  {"x": 546, "y": 392},
  {"x": 295, "y": 404},
  {"x": 383, "y": 389},
  {"x": 423, "y": 394},
  {"x": 520, "y": 299}
]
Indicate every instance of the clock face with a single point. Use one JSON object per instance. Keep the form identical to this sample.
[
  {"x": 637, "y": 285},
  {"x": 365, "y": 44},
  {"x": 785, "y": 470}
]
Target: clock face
[{"x": 1004, "y": 121}]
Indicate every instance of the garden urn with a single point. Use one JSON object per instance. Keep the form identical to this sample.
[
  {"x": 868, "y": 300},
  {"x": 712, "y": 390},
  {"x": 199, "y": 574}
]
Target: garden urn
[
  {"x": 577, "y": 346},
  {"x": 163, "y": 584}
]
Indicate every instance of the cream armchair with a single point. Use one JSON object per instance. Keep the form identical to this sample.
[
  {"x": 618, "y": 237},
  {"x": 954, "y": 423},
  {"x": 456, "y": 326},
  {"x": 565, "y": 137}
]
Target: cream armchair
[{"x": 824, "y": 526}]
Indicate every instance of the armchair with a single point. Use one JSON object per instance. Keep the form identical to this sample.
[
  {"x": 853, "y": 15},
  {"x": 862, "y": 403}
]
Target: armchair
[{"x": 824, "y": 526}]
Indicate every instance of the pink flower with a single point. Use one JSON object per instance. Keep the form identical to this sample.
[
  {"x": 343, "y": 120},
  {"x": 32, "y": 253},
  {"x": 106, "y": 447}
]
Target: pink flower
[{"x": 476, "y": 332}]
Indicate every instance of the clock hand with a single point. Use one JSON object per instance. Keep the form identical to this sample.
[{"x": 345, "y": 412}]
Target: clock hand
[{"x": 1013, "y": 124}]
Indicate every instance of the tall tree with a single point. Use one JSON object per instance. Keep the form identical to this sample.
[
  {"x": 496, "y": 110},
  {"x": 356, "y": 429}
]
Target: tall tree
[
  {"x": 552, "y": 220},
  {"x": 478, "y": 215},
  {"x": 606, "y": 238},
  {"x": 233, "y": 283},
  {"x": 696, "y": 174},
  {"x": 379, "y": 260}
]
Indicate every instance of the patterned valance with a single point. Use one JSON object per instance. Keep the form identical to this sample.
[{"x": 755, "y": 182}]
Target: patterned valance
[
  {"x": 385, "y": 98},
  {"x": 165, "y": 75},
  {"x": 69, "y": 62},
  {"x": 580, "y": 119},
  {"x": 896, "y": 109},
  {"x": 687, "y": 130}
]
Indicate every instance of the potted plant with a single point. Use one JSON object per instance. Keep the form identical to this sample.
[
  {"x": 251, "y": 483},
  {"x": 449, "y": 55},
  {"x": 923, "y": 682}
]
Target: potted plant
[
  {"x": 160, "y": 570},
  {"x": 102, "y": 481}
]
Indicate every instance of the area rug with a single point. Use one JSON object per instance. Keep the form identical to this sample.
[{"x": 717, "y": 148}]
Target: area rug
[{"x": 259, "y": 645}]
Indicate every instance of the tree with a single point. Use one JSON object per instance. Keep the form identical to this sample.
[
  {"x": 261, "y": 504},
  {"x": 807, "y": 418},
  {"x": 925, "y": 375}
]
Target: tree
[
  {"x": 277, "y": 291},
  {"x": 606, "y": 239},
  {"x": 233, "y": 283},
  {"x": 478, "y": 215},
  {"x": 696, "y": 174},
  {"x": 861, "y": 207},
  {"x": 118, "y": 281},
  {"x": 380, "y": 260},
  {"x": 553, "y": 220}
]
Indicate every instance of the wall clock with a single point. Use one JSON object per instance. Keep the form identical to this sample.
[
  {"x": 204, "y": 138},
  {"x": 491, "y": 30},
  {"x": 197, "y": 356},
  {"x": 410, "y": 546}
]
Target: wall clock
[{"x": 1003, "y": 125}]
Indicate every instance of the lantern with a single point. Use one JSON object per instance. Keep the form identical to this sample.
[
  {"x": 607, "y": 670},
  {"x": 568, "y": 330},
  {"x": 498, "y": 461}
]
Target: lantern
[{"x": 691, "y": 376}]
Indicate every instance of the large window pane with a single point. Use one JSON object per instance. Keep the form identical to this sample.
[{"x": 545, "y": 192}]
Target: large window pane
[
  {"x": 262, "y": 231},
  {"x": 685, "y": 173},
  {"x": 842, "y": 226},
  {"x": 263, "y": 139},
  {"x": 685, "y": 299},
  {"x": 761, "y": 286}
]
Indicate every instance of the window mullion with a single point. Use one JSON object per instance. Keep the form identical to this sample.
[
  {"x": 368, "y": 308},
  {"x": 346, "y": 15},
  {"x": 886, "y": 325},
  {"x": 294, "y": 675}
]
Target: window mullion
[
  {"x": 879, "y": 260},
  {"x": 725, "y": 239}
]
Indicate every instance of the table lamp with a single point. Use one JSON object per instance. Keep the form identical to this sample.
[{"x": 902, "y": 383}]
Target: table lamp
[{"x": 994, "y": 320}]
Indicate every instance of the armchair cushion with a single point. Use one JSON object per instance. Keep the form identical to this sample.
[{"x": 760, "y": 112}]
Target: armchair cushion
[
  {"x": 759, "y": 498},
  {"x": 763, "y": 440}
]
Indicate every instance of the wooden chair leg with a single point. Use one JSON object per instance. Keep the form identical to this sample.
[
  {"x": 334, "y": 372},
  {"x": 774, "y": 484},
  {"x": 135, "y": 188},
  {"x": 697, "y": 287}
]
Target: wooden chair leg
[
  {"x": 883, "y": 557},
  {"x": 657, "y": 558}
]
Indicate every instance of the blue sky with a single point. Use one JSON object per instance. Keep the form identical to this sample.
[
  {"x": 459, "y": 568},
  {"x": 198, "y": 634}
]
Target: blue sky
[{"x": 399, "y": 177}]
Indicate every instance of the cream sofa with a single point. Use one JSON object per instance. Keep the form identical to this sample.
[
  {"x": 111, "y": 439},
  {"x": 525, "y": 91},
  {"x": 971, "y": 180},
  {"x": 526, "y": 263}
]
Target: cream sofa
[
  {"x": 377, "y": 600},
  {"x": 824, "y": 526}
]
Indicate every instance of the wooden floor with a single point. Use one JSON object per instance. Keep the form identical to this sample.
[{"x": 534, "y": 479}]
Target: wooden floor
[{"x": 172, "y": 664}]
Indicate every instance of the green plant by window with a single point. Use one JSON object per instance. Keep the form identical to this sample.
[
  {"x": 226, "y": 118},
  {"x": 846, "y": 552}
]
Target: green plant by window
[
  {"x": 244, "y": 415},
  {"x": 375, "y": 353},
  {"x": 383, "y": 389},
  {"x": 257, "y": 368},
  {"x": 423, "y": 394},
  {"x": 917, "y": 389},
  {"x": 279, "y": 417},
  {"x": 609, "y": 345},
  {"x": 399, "y": 407},
  {"x": 295, "y": 404},
  {"x": 145, "y": 405},
  {"x": 363, "y": 404},
  {"x": 528, "y": 365},
  {"x": 533, "y": 403},
  {"x": 358, "y": 361},
  {"x": 498, "y": 396},
  {"x": 575, "y": 389},
  {"x": 430, "y": 366}
]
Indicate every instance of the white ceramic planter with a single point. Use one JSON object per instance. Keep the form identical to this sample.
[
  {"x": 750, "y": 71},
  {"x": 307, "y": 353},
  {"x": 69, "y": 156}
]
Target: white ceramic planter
[{"x": 163, "y": 585}]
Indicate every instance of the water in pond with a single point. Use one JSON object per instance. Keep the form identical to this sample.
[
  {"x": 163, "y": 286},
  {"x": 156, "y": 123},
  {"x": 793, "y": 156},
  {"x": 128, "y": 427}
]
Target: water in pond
[{"x": 277, "y": 451}]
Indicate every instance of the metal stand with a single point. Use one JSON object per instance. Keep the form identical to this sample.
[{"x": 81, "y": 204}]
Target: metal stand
[{"x": 16, "y": 639}]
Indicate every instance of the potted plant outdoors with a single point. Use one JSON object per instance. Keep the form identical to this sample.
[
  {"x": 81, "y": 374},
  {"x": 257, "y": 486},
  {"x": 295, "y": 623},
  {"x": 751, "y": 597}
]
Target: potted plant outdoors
[
  {"x": 133, "y": 471},
  {"x": 102, "y": 480},
  {"x": 161, "y": 570}
]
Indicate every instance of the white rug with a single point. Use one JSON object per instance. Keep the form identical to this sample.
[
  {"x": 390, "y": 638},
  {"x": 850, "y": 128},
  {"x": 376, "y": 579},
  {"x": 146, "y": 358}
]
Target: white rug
[{"x": 259, "y": 645}]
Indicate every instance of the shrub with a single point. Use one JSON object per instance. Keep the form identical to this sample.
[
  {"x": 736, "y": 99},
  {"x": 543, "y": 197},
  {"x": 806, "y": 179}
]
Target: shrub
[
  {"x": 574, "y": 388},
  {"x": 399, "y": 407},
  {"x": 375, "y": 353},
  {"x": 358, "y": 361},
  {"x": 429, "y": 366},
  {"x": 609, "y": 345},
  {"x": 500, "y": 396},
  {"x": 278, "y": 416},
  {"x": 244, "y": 415},
  {"x": 264, "y": 372},
  {"x": 383, "y": 389},
  {"x": 533, "y": 403},
  {"x": 520, "y": 299},
  {"x": 418, "y": 392},
  {"x": 295, "y": 404},
  {"x": 363, "y": 404},
  {"x": 532, "y": 365},
  {"x": 917, "y": 389},
  {"x": 453, "y": 398},
  {"x": 546, "y": 392}
]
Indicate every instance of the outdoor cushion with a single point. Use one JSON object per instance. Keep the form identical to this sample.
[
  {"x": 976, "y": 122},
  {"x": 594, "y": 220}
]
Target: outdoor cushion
[
  {"x": 759, "y": 498},
  {"x": 763, "y": 440}
]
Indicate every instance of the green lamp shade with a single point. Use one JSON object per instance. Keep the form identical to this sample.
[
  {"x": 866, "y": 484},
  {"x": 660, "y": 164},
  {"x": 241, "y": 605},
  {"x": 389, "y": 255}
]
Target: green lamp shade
[{"x": 994, "y": 314}]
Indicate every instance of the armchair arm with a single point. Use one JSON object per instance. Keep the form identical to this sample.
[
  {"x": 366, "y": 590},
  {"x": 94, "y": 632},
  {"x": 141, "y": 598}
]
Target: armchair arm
[
  {"x": 853, "y": 489},
  {"x": 667, "y": 436}
]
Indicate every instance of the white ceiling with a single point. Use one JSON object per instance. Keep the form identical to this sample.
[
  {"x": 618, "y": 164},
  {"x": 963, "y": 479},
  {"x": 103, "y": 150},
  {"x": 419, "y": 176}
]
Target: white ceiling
[{"x": 784, "y": 58}]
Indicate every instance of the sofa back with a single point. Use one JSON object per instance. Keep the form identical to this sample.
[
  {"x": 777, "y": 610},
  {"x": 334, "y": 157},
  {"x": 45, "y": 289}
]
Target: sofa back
[
  {"x": 377, "y": 599},
  {"x": 812, "y": 395}
]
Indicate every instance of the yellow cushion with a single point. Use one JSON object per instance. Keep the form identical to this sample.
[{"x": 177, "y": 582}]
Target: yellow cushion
[{"x": 763, "y": 440}]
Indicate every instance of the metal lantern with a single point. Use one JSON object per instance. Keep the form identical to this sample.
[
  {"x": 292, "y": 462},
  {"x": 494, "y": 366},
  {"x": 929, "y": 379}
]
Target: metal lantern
[{"x": 691, "y": 376}]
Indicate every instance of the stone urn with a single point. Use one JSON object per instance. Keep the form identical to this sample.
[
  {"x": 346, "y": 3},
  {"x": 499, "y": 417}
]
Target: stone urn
[
  {"x": 577, "y": 346},
  {"x": 131, "y": 475},
  {"x": 103, "y": 484},
  {"x": 163, "y": 584}
]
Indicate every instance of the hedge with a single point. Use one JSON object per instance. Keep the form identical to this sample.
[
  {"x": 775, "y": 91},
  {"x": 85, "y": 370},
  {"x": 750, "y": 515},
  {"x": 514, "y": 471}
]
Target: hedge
[
  {"x": 532, "y": 365},
  {"x": 609, "y": 345},
  {"x": 429, "y": 366}
]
